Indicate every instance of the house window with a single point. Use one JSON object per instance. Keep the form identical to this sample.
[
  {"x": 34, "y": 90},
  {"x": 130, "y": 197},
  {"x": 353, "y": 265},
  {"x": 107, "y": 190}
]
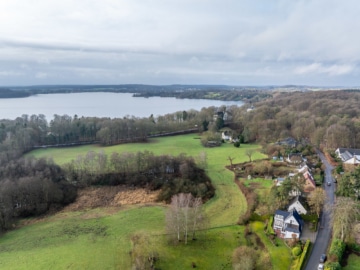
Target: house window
[{"x": 278, "y": 223}]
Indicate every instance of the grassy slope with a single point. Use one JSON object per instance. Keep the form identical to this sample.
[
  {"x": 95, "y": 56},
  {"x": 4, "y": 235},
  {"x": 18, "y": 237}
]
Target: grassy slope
[
  {"x": 280, "y": 255},
  {"x": 88, "y": 240},
  {"x": 77, "y": 240}
]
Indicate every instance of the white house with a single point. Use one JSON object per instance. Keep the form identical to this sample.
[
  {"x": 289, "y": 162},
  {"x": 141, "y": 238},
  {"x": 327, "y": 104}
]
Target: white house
[
  {"x": 304, "y": 168},
  {"x": 296, "y": 204},
  {"x": 287, "y": 225},
  {"x": 226, "y": 135},
  {"x": 348, "y": 155}
]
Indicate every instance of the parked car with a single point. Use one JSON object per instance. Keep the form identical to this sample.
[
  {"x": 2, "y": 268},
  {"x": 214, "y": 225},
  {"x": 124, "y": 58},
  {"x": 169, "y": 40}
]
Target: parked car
[
  {"x": 320, "y": 266},
  {"x": 323, "y": 258}
]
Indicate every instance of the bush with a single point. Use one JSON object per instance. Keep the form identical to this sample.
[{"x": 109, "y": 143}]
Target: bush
[
  {"x": 332, "y": 266},
  {"x": 296, "y": 251},
  {"x": 309, "y": 217},
  {"x": 303, "y": 255},
  {"x": 269, "y": 228},
  {"x": 237, "y": 144},
  {"x": 354, "y": 247},
  {"x": 339, "y": 169},
  {"x": 337, "y": 249}
]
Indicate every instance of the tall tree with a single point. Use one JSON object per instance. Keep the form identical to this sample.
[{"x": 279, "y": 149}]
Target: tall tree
[
  {"x": 244, "y": 258},
  {"x": 143, "y": 253},
  {"x": 316, "y": 200},
  {"x": 183, "y": 216},
  {"x": 344, "y": 214}
]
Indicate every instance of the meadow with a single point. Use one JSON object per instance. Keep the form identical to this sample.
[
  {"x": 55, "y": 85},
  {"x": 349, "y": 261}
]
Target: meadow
[{"x": 100, "y": 238}]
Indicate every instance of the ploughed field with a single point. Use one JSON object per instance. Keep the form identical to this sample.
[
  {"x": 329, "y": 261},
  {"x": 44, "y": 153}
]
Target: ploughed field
[{"x": 95, "y": 231}]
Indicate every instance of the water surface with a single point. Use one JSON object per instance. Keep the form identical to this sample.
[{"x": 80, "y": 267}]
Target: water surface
[{"x": 113, "y": 105}]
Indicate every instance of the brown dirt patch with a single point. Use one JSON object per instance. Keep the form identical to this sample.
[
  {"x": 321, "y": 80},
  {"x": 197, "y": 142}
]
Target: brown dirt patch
[
  {"x": 114, "y": 196},
  {"x": 109, "y": 199}
]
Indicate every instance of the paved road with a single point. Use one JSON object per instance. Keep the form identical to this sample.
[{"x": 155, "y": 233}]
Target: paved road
[{"x": 324, "y": 232}]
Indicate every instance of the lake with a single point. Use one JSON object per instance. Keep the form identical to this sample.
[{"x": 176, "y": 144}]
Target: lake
[{"x": 100, "y": 104}]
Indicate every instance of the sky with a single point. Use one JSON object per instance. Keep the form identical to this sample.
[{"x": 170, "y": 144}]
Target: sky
[{"x": 228, "y": 42}]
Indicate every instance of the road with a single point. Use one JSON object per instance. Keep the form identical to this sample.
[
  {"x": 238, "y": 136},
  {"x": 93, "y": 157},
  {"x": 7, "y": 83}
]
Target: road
[{"x": 324, "y": 231}]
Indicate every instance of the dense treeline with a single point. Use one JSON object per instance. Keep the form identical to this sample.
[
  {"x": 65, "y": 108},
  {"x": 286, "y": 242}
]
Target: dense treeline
[
  {"x": 7, "y": 93},
  {"x": 170, "y": 174},
  {"x": 217, "y": 92},
  {"x": 328, "y": 118},
  {"x": 31, "y": 187},
  {"x": 26, "y": 132},
  {"x": 230, "y": 95}
]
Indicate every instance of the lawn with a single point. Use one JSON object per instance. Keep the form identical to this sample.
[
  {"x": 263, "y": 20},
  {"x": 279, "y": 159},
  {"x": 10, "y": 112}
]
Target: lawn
[
  {"x": 280, "y": 254},
  {"x": 100, "y": 238},
  {"x": 212, "y": 250},
  {"x": 353, "y": 262},
  {"x": 80, "y": 240}
]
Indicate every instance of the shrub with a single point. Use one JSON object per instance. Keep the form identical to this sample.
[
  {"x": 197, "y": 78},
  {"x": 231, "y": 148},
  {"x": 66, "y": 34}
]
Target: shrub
[
  {"x": 237, "y": 144},
  {"x": 303, "y": 255},
  {"x": 296, "y": 251},
  {"x": 244, "y": 257},
  {"x": 269, "y": 228},
  {"x": 337, "y": 249},
  {"x": 339, "y": 169},
  {"x": 354, "y": 247},
  {"x": 332, "y": 266},
  {"x": 309, "y": 217}
]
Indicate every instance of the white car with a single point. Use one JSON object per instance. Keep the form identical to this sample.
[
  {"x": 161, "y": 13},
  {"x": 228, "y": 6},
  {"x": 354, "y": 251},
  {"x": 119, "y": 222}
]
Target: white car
[{"x": 320, "y": 266}]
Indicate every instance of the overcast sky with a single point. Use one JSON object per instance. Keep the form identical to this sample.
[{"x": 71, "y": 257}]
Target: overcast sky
[{"x": 232, "y": 42}]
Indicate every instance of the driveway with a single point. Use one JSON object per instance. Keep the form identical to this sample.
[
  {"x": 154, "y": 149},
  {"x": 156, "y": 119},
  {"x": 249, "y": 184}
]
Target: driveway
[
  {"x": 308, "y": 234},
  {"x": 324, "y": 232}
]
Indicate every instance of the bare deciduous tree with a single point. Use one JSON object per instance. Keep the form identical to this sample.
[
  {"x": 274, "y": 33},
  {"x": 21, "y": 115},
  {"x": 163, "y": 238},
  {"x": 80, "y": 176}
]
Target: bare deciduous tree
[
  {"x": 184, "y": 216},
  {"x": 316, "y": 200},
  {"x": 231, "y": 161},
  {"x": 249, "y": 153},
  {"x": 244, "y": 258},
  {"x": 143, "y": 254},
  {"x": 344, "y": 214}
]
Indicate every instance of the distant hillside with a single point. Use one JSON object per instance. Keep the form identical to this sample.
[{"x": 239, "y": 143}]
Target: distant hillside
[
  {"x": 214, "y": 92},
  {"x": 7, "y": 93}
]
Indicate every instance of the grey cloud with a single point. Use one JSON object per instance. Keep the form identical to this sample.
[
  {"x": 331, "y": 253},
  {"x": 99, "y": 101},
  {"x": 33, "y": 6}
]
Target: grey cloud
[{"x": 204, "y": 41}]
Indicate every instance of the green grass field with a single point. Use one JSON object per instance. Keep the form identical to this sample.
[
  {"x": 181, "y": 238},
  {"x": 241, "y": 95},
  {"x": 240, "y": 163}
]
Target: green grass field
[
  {"x": 228, "y": 203},
  {"x": 280, "y": 254},
  {"x": 353, "y": 262},
  {"x": 99, "y": 239}
]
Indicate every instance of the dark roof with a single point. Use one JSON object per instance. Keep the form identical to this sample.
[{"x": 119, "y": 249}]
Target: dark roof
[
  {"x": 295, "y": 214},
  {"x": 292, "y": 228},
  {"x": 282, "y": 213},
  {"x": 350, "y": 150},
  {"x": 347, "y": 153},
  {"x": 288, "y": 141}
]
